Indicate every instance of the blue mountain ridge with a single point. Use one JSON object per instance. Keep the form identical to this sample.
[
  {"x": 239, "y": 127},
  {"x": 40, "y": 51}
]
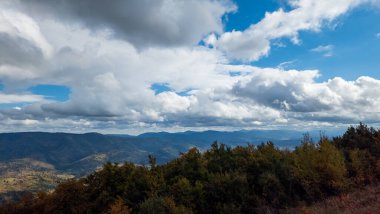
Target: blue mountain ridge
[{"x": 80, "y": 154}]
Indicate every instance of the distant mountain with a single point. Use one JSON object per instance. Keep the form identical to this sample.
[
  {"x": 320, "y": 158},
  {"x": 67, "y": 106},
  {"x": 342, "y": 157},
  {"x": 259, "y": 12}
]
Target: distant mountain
[
  {"x": 77, "y": 152},
  {"x": 202, "y": 140},
  {"x": 76, "y": 155}
]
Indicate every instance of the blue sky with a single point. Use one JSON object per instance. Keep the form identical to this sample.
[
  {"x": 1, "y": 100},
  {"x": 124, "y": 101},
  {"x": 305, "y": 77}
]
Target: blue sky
[
  {"x": 355, "y": 51},
  {"x": 250, "y": 12},
  {"x": 353, "y": 37},
  {"x": 53, "y": 92},
  {"x": 189, "y": 65}
]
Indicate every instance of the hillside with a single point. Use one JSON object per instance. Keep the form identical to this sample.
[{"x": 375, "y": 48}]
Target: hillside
[
  {"x": 37, "y": 161},
  {"x": 27, "y": 175},
  {"x": 80, "y": 154},
  {"x": 365, "y": 200},
  {"x": 223, "y": 179}
]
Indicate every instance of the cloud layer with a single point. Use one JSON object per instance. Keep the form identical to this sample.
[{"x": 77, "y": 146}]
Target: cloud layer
[{"x": 110, "y": 55}]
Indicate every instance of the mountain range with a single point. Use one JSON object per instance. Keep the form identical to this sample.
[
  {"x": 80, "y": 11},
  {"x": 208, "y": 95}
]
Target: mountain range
[{"x": 34, "y": 161}]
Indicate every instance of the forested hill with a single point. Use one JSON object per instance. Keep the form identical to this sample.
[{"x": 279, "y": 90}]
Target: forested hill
[
  {"x": 38, "y": 161},
  {"x": 243, "y": 179},
  {"x": 80, "y": 154}
]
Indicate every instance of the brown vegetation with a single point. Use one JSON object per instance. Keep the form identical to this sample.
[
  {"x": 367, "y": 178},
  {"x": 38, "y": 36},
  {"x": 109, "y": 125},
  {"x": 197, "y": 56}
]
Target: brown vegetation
[
  {"x": 249, "y": 179},
  {"x": 363, "y": 200}
]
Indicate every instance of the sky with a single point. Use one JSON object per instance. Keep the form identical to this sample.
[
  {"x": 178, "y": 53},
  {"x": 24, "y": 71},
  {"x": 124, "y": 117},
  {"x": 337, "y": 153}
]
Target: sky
[{"x": 173, "y": 65}]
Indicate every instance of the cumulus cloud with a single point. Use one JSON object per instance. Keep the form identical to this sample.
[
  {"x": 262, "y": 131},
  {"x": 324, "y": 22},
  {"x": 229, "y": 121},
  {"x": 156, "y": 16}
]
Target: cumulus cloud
[
  {"x": 306, "y": 15},
  {"x": 18, "y": 25},
  {"x": 23, "y": 48},
  {"x": 142, "y": 22},
  {"x": 95, "y": 55},
  {"x": 300, "y": 96},
  {"x": 258, "y": 97}
]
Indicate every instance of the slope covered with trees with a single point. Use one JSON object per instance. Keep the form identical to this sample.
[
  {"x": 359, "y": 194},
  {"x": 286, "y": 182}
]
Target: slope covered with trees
[
  {"x": 38, "y": 161},
  {"x": 251, "y": 179}
]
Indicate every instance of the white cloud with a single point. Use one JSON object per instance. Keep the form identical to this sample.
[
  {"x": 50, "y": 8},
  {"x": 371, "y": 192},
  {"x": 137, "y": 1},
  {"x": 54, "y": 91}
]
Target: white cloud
[
  {"x": 19, "y": 98},
  {"x": 141, "y": 22},
  {"x": 301, "y": 97},
  {"x": 173, "y": 103},
  {"x": 325, "y": 50},
  {"x": 22, "y": 26},
  {"x": 29, "y": 122},
  {"x": 305, "y": 15},
  {"x": 285, "y": 65},
  {"x": 110, "y": 79}
]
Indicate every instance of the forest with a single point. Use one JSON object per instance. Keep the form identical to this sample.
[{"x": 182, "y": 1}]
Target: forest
[{"x": 222, "y": 179}]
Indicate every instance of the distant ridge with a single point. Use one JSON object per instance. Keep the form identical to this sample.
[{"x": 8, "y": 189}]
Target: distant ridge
[
  {"x": 75, "y": 155},
  {"x": 67, "y": 151}
]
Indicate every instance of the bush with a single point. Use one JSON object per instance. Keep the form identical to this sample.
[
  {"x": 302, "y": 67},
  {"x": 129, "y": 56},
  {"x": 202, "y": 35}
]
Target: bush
[{"x": 221, "y": 180}]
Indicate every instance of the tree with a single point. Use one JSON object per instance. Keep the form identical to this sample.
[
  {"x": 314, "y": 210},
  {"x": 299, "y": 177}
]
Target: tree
[{"x": 119, "y": 207}]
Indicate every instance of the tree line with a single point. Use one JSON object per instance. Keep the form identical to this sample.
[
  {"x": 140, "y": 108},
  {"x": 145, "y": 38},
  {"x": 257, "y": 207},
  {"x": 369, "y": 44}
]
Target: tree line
[{"x": 243, "y": 179}]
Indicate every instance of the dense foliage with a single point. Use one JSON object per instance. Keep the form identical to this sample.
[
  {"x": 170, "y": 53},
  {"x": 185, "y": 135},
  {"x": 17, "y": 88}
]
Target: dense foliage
[{"x": 221, "y": 180}]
